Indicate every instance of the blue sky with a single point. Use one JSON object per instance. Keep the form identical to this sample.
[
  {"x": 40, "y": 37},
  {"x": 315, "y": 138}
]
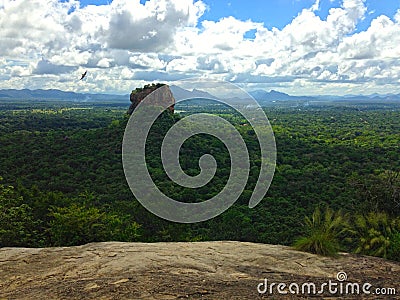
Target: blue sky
[
  {"x": 277, "y": 13},
  {"x": 294, "y": 46}
]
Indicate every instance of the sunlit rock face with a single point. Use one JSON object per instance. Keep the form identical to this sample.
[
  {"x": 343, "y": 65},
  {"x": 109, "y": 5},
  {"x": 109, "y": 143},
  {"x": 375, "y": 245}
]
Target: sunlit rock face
[{"x": 161, "y": 97}]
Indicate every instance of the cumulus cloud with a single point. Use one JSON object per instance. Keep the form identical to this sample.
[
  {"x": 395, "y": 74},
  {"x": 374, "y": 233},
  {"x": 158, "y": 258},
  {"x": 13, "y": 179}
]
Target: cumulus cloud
[
  {"x": 147, "y": 61},
  {"x": 150, "y": 27},
  {"x": 104, "y": 63},
  {"x": 33, "y": 26},
  {"x": 45, "y": 67},
  {"x": 126, "y": 42}
]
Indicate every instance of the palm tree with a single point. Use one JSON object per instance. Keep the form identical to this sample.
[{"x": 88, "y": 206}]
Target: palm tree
[
  {"x": 373, "y": 232},
  {"x": 323, "y": 232}
]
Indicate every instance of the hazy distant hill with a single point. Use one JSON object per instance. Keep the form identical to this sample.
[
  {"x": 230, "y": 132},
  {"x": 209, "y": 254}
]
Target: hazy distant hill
[
  {"x": 180, "y": 93},
  {"x": 197, "y": 97},
  {"x": 262, "y": 96},
  {"x": 53, "y": 94}
]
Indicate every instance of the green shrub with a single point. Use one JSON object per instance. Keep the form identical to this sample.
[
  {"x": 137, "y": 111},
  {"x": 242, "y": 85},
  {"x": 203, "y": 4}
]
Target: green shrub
[
  {"x": 17, "y": 224},
  {"x": 78, "y": 224},
  {"x": 322, "y": 233},
  {"x": 394, "y": 247},
  {"x": 372, "y": 233}
]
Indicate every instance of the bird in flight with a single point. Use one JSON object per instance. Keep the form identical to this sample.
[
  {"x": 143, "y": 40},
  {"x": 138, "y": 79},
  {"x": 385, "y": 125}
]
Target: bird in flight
[{"x": 83, "y": 75}]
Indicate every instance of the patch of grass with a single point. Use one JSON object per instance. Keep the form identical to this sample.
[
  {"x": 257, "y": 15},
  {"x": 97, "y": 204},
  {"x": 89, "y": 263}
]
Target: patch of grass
[{"x": 323, "y": 231}]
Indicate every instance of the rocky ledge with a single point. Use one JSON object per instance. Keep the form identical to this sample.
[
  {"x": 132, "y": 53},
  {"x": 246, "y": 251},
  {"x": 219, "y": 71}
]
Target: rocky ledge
[{"x": 204, "y": 270}]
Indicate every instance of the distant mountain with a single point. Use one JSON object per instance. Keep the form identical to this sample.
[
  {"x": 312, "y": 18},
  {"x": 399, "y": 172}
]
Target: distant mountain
[
  {"x": 264, "y": 96},
  {"x": 363, "y": 98},
  {"x": 272, "y": 95},
  {"x": 53, "y": 94},
  {"x": 375, "y": 97},
  {"x": 180, "y": 93}
]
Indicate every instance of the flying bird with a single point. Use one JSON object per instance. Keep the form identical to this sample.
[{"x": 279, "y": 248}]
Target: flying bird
[{"x": 83, "y": 75}]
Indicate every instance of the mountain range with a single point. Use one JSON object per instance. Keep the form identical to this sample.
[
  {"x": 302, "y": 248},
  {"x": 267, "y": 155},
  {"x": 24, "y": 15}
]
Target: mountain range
[
  {"x": 181, "y": 94},
  {"x": 53, "y": 94},
  {"x": 262, "y": 96}
]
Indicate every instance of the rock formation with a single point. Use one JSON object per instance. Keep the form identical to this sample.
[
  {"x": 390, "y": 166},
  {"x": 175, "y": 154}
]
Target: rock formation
[
  {"x": 204, "y": 270},
  {"x": 164, "y": 97}
]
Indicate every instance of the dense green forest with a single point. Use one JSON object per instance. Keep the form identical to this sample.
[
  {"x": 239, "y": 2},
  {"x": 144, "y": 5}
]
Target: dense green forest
[{"x": 63, "y": 182}]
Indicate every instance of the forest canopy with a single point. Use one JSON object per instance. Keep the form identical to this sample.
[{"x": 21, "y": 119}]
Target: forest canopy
[{"x": 63, "y": 182}]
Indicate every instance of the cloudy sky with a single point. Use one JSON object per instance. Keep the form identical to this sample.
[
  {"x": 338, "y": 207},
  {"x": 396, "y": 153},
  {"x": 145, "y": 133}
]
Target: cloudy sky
[{"x": 302, "y": 47}]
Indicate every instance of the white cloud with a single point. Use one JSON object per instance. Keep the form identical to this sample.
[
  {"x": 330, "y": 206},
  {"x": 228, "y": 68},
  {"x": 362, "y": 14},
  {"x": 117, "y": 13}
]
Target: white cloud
[
  {"x": 126, "y": 73},
  {"x": 187, "y": 64},
  {"x": 29, "y": 26},
  {"x": 147, "y": 61},
  {"x": 19, "y": 71},
  {"x": 46, "y": 67},
  {"x": 104, "y": 63},
  {"x": 315, "y": 6},
  {"x": 126, "y": 42},
  {"x": 150, "y": 27}
]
